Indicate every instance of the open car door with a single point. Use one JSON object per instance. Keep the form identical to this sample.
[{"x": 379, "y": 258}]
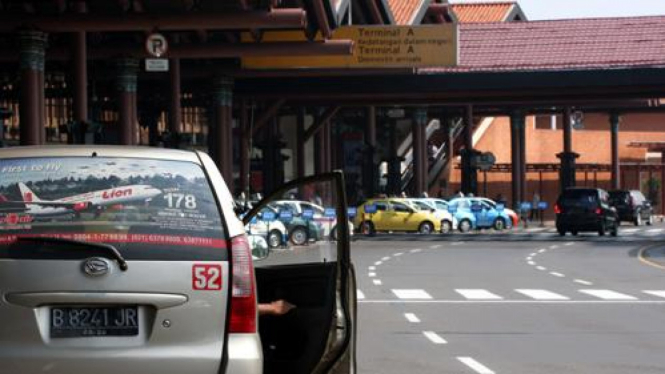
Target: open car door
[{"x": 316, "y": 276}]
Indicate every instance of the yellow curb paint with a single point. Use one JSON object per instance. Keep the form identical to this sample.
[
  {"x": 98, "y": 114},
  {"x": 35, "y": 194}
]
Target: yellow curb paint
[{"x": 644, "y": 260}]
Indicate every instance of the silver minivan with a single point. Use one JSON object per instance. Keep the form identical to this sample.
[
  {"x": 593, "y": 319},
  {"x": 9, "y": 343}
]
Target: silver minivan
[{"x": 117, "y": 259}]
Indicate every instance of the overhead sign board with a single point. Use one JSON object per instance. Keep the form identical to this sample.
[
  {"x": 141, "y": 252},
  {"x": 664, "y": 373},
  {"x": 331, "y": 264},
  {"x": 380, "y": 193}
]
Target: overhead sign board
[{"x": 373, "y": 47}]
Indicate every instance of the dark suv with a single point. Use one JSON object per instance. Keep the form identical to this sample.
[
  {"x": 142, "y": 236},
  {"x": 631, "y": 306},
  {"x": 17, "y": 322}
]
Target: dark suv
[
  {"x": 585, "y": 209},
  {"x": 632, "y": 206}
]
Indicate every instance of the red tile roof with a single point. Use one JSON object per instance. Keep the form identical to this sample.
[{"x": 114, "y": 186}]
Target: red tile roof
[
  {"x": 404, "y": 10},
  {"x": 482, "y": 12},
  {"x": 603, "y": 43}
]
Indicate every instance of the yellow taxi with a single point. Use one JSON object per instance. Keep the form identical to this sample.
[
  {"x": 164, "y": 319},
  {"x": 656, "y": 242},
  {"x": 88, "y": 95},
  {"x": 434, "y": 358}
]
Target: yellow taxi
[{"x": 393, "y": 214}]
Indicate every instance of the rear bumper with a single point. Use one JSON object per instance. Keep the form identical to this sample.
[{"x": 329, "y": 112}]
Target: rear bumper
[
  {"x": 564, "y": 224},
  {"x": 245, "y": 354}
]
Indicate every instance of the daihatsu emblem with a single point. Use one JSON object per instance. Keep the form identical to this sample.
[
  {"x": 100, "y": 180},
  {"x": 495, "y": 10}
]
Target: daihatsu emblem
[{"x": 95, "y": 267}]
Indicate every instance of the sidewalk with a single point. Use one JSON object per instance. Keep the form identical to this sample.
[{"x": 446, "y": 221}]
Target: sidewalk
[{"x": 655, "y": 254}]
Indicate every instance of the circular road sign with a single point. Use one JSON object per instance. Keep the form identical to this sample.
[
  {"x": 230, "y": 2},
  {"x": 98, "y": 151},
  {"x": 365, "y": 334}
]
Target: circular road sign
[{"x": 156, "y": 45}]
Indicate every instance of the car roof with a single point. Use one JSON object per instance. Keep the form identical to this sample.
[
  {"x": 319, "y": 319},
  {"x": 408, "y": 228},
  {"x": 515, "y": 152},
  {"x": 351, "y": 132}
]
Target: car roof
[{"x": 99, "y": 151}]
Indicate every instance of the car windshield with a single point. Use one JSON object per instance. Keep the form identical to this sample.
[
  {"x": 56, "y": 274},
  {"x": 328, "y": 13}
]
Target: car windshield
[
  {"x": 579, "y": 199},
  {"x": 619, "y": 197},
  {"x": 130, "y": 203}
]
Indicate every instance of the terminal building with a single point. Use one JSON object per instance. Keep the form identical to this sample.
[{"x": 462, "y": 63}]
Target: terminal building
[{"x": 501, "y": 106}]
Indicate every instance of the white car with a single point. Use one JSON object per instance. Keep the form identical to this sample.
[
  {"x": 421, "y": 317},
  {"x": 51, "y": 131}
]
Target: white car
[
  {"x": 448, "y": 221},
  {"x": 328, "y": 224},
  {"x": 274, "y": 232}
]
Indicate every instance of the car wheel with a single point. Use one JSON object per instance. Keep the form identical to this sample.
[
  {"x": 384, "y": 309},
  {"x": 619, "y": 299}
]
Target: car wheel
[
  {"x": 561, "y": 232},
  {"x": 446, "y": 227},
  {"x": 638, "y": 219},
  {"x": 299, "y": 236},
  {"x": 367, "y": 228},
  {"x": 574, "y": 233},
  {"x": 602, "y": 229},
  {"x": 499, "y": 224},
  {"x": 274, "y": 239},
  {"x": 426, "y": 228},
  {"x": 650, "y": 220},
  {"x": 465, "y": 225}
]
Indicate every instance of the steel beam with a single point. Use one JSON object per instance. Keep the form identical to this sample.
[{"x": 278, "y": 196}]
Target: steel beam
[
  {"x": 292, "y": 18},
  {"x": 615, "y": 120},
  {"x": 267, "y": 115},
  {"x": 321, "y": 121}
]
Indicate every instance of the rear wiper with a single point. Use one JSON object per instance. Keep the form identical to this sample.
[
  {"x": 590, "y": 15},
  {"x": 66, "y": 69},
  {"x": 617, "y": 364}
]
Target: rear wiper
[{"x": 81, "y": 244}]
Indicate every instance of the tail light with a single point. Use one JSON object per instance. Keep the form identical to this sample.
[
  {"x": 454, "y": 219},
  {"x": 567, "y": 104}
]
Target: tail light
[
  {"x": 557, "y": 209},
  {"x": 243, "y": 298},
  {"x": 599, "y": 211}
]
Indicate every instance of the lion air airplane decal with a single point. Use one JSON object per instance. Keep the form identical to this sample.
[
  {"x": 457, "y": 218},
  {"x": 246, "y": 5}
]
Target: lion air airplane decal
[{"x": 86, "y": 201}]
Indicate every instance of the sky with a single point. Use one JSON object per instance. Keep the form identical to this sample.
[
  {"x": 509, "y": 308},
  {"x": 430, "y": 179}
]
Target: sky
[{"x": 546, "y": 9}]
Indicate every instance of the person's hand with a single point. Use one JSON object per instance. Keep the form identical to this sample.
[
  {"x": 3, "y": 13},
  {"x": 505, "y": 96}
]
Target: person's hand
[{"x": 275, "y": 308}]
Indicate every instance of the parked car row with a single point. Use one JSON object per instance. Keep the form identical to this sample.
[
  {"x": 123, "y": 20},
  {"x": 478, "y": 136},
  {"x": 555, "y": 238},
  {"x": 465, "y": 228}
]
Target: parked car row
[{"x": 430, "y": 215}]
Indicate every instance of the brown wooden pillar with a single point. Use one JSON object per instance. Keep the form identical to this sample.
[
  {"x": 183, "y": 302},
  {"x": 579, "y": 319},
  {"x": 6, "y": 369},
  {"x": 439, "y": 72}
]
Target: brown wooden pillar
[
  {"x": 568, "y": 157},
  {"x": 523, "y": 161},
  {"x": 126, "y": 80},
  {"x": 419, "y": 135},
  {"x": 175, "y": 105},
  {"x": 223, "y": 140},
  {"x": 300, "y": 142},
  {"x": 469, "y": 172},
  {"x": 31, "y": 100},
  {"x": 615, "y": 119},
  {"x": 516, "y": 130},
  {"x": 245, "y": 139}
]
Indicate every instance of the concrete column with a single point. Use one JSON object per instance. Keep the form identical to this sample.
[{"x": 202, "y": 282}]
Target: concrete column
[
  {"x": 245, "y": 139},
  {"x": 31, "y": 100},
  {"x": 523, "y": 161},
  {"x": 516, "y": 127},
  {"x": 615, "y": 119},
  {"x": 420, "y": 164},
  {"x": 223, "y": 138},
  {"x": 126, "y": 84},
  {"x": 369, "y": 167},
  {"x": 568, "y": 157},
  {"x": 394, "y": 172},
  {"x": 300, "y": 142},
  {"x": 175, "y": 104},
  {"x": 469, "y": 173}
]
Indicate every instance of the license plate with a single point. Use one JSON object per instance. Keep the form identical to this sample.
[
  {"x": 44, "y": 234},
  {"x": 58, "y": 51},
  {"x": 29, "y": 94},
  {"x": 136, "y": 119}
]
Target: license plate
[{"x": 73, "y": 322}]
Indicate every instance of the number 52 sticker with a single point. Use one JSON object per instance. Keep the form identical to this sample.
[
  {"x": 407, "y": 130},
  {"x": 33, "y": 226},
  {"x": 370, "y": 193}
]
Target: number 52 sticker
[{"x": 207, "y": 277}]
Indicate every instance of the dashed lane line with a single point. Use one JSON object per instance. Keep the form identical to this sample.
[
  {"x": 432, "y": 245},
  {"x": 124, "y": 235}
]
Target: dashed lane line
[
  {"x": 541, "y": 268},
  {"x": 531, "y": 263},
  {"x": 360, "y": 295},
  {"x": 582, "y": 281},
  {"x": 557, "y": 274},
  {"x": 378, "y": 263},
  {"x": 475, "y": 365},
  {"x": 542, "y": 250},
  {"x": 371, "y": 275},
  {"x": 377, "y": 282},
  {"x": 412, "y": 294},
  {"x": 411, "y": 318},
  {"x": 608, "y": 295},
  {"x": 542, "y": 294},
  {"x": 398, "y": 254},
  {"x": 478, "y": 294},
  {"x": 385, "y": 259},
  {"x": 371, "y": 268},
  {"x": 434, "y": 337},
  {"x": 655, "y": 293}
]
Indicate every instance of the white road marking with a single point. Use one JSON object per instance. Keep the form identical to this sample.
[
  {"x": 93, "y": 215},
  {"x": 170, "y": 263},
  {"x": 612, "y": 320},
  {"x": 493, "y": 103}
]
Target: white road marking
[
  {"x": 475, "y": 365},
  {"x": 570, "y": 243},
  {"x": 542, "y": 268},
  {"x": 398, "y": 254},
  {"x": 434, "y": 337},
  {"x": 377, "y": 282},
  {"x": 554, "y": 246},
  {"x": 529, "y": 258},
  {"x": 516, "y": 302},
  {"x": 542, "y": 294},
  {"x": 478, "y": 294},
  {"x": 533, "y": 254},
  {"x": 654, "y": 230},
  {"x": 629, "y": 230},
  {"x": 385, "y": 258},
  {"x": 531, "y": 263},
  {"x": 360, "y": 295},
  {"x": 371, "y": 275},
  {"x": 608, "y": 295},
  {"x": 416, "y": 250},
  {"x": 655, "y": 293},
  {"x": 412, "y": 294},
  {"x": 411, "y": 318},
  {"x": 542, "y": 250},
  {"x": 371, "y": 268},
  {"x": 581, "y": 281},
  {"x": 378, "y": 263},
  {"x": 435, "y": 246},
  {"x": 557, "y": 274}
]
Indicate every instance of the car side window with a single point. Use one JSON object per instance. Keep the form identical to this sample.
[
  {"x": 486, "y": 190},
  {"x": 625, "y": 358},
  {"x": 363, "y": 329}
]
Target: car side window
[
  {"x": 381, "y": 207},
  {"x": 400, "y": 208}
]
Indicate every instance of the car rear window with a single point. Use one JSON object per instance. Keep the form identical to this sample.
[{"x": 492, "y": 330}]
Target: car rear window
[
  {"x": 579, "y": 199},
  {"x": 148, "y": 209},
  {"x": 619, "y": 197}
]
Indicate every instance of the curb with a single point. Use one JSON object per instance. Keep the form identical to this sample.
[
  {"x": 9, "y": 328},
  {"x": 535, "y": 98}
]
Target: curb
[{"x": 644, "y": 255}]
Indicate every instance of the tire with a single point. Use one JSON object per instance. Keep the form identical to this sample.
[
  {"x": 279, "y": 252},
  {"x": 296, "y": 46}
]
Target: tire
[
  {"x": 446, "y": 226},
  {"x": 574, "y": 232},
  {"x": 298, "y": 236},
  {"x": 367, "y": 228},
  {"x": 638, "y": 219},
  {"x": 499, "y": 224},
  {"x": 561, "y": 232},
  {"x": 465, "y": 225},
  {"x": 426, "y": 228},
  {"x": 274, "y": 239},
  {"x": 602, "y": 229}
]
